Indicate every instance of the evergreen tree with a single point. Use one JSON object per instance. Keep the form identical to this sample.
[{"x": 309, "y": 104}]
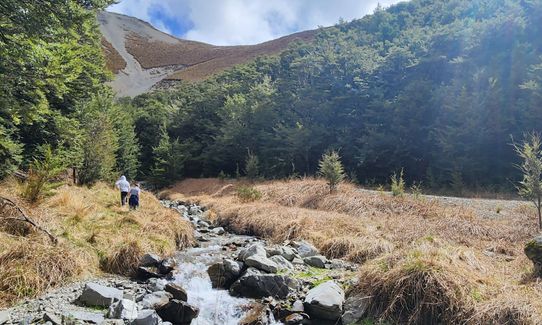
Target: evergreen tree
[
  {"x": 331, "y": 169},
  {"x": 169, "y": 160},
  {"x": 100, "y": 142}
]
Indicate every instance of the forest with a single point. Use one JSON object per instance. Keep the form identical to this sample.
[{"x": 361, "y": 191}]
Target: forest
[{"x": 438, "y": 89}]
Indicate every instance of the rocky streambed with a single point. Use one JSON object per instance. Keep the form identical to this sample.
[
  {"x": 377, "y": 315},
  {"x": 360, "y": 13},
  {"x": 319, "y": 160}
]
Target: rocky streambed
[{"x": 226, "y": 279}]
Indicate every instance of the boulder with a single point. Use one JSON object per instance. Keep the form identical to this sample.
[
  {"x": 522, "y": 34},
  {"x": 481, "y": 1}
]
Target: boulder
[
  {"x": 155, "y": 300},
  {"x": 355, "y": 308},
  {"x": 176, "y": 291},
  {"x": 255, "y": 284},
  {"x": 254, "y": 249},
  {"x": 318, "y": 261},
  {"x": 533, "y": 250},
  {"x": 98, "y": 295},
  {"x": 305, "y": 249},
  {"x": 225, "y": 273},
  {"x": 178, "y": 312},
  {"x": 123, "y": 309},
  {"x": 261, "y": 262},
  {"x": 4, "y": 317},
  {"x": 149, "y": 260},
  {"x": 325, "y": 301},
  {"x": 218, "y": 231},
  {"x": 147, "y": 317},
  {"x": 282, "y": 263}
]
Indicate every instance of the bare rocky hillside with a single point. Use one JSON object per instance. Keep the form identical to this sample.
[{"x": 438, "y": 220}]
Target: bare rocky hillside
[{"x": 140, "y": 56}]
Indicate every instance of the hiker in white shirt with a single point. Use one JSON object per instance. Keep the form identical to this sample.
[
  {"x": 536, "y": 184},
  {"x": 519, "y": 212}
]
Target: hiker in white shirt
[{"x": 124, "y": 187}]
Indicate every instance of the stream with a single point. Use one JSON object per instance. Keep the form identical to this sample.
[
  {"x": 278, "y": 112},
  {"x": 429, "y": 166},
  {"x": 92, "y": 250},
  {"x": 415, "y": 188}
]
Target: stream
[
  {"x": 216, "y": 306},
  {"x": 208, "y": 305}
]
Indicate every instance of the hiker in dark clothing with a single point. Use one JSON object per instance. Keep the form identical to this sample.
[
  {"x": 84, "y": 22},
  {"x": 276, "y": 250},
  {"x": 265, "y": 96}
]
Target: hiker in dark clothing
[{"x": 133, "y": 201}]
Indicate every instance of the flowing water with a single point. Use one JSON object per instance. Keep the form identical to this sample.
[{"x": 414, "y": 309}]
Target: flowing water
[{"x": 216, "y": 306}]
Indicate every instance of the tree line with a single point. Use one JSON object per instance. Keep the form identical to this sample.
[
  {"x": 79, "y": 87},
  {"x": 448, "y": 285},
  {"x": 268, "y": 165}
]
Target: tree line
[{"x": 436, "y": 89}]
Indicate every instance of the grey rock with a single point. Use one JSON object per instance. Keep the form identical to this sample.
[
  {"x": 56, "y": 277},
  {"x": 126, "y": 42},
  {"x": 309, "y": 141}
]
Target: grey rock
[
  {"x": 288, "y": 253},
  {"x": 224, "y": 273},
  {"x": 155, "y": 300},
  {"x": 218, "y": 231},
  {"x": 261, "y": 262},
  {"x": 254, "y": 249},
  {"x": 297, "y": 306},
  {"x": 124, "y": 309},
  {"x": 178, "y": 312},
  {"x": 156, "y": 284},
  {"x": 255, "y": 284},
  {"x": 84, "y": 316},
  {"x": 282, "y": 263},
  {"x": 318, "y": 261},
  {"x": 147, "y": 317},
  {"x": 355, "y": 308},
  {"x": 149, "y": 260},
  {"x": 176, "y": 291},
  {"x": 325, "y": 301},
  {"x": 98, "y": 295},
  {"x": 305, "y": 249},
  {"x": 50, "y": 317},
  {"x": 4, "y": 317},
  {"x": 533, "y": 250}
]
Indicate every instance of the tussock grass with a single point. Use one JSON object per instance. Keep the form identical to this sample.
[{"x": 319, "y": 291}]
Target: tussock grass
[
  {"x": 95, "y": 235},
  {"x": 423, "y": 261}
]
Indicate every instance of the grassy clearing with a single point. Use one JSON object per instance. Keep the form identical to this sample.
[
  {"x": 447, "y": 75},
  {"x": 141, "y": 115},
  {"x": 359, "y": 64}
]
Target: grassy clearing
[
  {"x": 422, "y": 260},
  {"x": 95, "y": 235}
]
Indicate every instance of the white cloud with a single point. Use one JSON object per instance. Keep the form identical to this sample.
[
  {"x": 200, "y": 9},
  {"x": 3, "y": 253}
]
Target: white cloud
[{"x": 232, "y": 22}]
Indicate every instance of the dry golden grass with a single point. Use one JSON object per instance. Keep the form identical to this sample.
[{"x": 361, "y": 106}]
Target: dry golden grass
[
  {"x": 423, "y": 261},
  {"x": 95, "y": 235}
]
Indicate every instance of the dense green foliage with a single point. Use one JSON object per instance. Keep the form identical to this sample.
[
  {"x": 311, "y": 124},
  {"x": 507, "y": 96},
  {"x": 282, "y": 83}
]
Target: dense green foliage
[
  {"x": 52, "y": 91},
  {"x": 436, "y": 87}
]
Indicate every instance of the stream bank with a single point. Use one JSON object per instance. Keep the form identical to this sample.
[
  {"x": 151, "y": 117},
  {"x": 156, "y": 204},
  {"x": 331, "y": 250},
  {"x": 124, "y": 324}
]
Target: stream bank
[{"x": 226, "y": 279}]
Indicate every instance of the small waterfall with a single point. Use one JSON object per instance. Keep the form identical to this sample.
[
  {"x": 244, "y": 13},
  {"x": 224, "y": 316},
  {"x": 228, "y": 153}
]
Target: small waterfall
[{"x": 216, "y": 306}]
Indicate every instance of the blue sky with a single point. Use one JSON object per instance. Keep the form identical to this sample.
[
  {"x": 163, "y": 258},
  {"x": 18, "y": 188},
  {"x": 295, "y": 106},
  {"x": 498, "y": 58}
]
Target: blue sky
[{"x": 233, "y": 22}]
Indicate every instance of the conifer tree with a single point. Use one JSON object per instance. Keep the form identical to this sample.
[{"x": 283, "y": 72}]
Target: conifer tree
[{"x": 331, "y": 169}]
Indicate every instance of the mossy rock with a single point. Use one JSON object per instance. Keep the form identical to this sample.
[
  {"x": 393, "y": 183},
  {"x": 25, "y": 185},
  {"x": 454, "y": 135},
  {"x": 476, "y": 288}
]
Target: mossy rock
[{"x": 533, "y": 250}]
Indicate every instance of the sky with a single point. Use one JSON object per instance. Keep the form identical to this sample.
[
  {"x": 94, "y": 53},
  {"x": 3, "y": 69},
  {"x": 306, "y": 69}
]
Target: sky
[{"x": 235, "y": 22}]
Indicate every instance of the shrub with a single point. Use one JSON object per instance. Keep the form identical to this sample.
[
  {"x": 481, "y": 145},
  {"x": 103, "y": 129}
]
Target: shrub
[
  {"x": 397, "y": 184},
  {"x": 42, "y": 173},
  {"x": 531, "y": 167},
  {"x": 252, "y": 166},
  {"x": 331, "y": 168},
  {"x": 248, "y": 194}
]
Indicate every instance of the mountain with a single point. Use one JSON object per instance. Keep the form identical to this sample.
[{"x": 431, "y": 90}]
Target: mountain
[{"x": 141, "y": 56}]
